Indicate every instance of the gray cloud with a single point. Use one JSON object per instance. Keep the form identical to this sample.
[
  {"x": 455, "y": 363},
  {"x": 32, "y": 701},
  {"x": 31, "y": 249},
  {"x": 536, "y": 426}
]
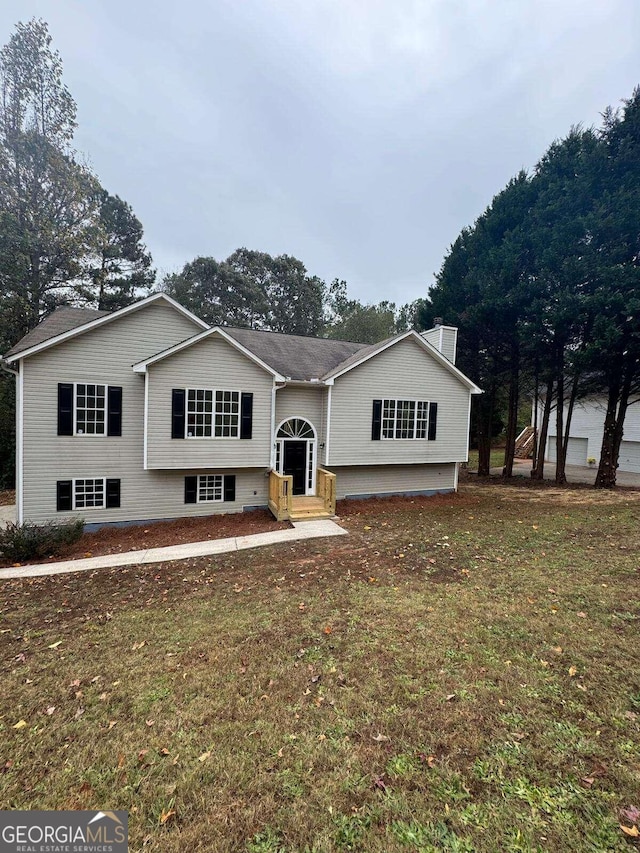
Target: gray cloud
[{"x": 358, "y": 135}]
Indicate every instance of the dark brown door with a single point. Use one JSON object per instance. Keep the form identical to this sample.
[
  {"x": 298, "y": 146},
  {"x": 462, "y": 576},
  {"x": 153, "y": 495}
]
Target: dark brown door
[{"x": 295, "y": 464}]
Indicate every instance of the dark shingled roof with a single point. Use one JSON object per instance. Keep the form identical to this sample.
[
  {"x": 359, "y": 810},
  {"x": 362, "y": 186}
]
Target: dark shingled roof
[
  {"x": 295, "y": 356},
  {"x": 62, "y": 320}
]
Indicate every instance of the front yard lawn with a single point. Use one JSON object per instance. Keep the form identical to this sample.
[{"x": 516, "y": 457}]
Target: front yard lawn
[{"x": 460, "y": 673}]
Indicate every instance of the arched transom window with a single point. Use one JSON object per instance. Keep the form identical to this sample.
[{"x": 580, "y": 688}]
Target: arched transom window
[{"x": 296, "y": 428}]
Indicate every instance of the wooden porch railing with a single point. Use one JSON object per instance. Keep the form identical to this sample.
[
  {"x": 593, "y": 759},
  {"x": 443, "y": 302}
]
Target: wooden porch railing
[
  {"x": 280, "y": 495},
  {"x": 326, "y": 489}
]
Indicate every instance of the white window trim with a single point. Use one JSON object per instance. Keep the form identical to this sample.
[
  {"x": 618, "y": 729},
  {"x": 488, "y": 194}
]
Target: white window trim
[
  {"x": 213, "y": 415},
  {"x": 397, "y": 400},
  {"x": 213, "y": 500},
  {"x": 311, "y": 455},
  {"x": 75, "y": 411},
  {"x": 95, "y": 480}
]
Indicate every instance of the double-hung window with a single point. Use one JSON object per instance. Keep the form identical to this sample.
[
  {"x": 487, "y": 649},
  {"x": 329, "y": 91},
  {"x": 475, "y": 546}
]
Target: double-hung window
[
  {"x": 210, "y": 487},
  {"x": 91, "y": 409},
  {"x": 405, "y": 419},
  {"x": 213, "y": 413},
  {"x": 89, "y": 494}
]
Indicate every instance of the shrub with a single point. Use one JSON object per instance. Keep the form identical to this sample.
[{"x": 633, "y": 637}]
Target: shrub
[{"x": 20, "y": 542}]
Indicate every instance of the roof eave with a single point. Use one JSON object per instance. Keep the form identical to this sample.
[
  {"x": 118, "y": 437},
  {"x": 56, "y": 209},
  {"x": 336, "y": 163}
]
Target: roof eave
[{"x": 100, "y": 321}]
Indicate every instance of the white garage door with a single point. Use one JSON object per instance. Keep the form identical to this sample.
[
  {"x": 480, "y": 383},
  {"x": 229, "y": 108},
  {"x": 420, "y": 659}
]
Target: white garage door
[
  {"x": 576, "y": 450},
  {"x": 630, "y": 456}
]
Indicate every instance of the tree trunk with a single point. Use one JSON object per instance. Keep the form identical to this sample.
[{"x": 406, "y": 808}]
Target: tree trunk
[
  {"x": 484, "y": 424},
  {"x": 512, "y": 422},
  {"x": 537, "y": 472},
  {"x": 561, "y": 477},
  {"x": 617, "y": 404}
]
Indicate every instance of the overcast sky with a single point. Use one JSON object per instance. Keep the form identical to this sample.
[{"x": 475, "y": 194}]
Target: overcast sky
[{"x": 358, "y": 135}]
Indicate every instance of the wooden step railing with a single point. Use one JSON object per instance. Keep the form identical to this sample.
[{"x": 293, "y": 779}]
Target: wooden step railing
[
  {"x": 326, "y": 489},
  {"x": 280, "y": 495}
]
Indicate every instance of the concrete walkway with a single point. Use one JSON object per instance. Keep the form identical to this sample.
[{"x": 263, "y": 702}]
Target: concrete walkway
[{"x": 301, "y": 530}]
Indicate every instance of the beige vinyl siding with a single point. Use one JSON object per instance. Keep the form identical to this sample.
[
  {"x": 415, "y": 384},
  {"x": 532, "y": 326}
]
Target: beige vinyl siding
[
  {"x": 393, "y": 479},
  {"x": 211, "y": 363},
  {"x": 164, "y": 496},
  {"x": 302, "y": 402},
  {"x": 103, "y": 355},
  {"x": 403, "y": 371}
]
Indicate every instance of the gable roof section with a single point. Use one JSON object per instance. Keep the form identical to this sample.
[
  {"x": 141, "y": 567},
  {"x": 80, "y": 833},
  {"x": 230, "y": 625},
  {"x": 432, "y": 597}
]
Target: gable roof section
[
  {"x": 366, "y": 353},
  {"x": 295, "y": 356},
  {"x": 62, "y": 320},
  {"x": 52, "y": 331},
  {"x": 141, "y": 366}
]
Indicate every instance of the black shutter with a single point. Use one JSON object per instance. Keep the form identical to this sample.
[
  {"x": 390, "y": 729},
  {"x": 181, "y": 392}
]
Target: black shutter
[
  {"x": 230, "y": 487},
  {"x": 177, "y": 412},
  {"x": 246, "y": 414},
  {"x": 376, "y": 422},
  {"x": 191, "y": 490},
  {"x": 65, "y": 409},
  {"x": 114, "y": 410},
  {"x": 63, "y": 495},
  {"x": 433, "y": 420},
  {"x": 112, "y": 494}
]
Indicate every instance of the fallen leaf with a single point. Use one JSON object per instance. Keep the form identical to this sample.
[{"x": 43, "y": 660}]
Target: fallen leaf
[
  {"x": 631, "y": 831},
  {"x": 142, "y": 754},
  {"x": 112, "y": 723},
  {"x": 164, "y": 751},
  {"x": 379, "y": 738},
  {"x": 587, "y": 781},
  {"x": 55, "y": 645},
  {"x": 328, "y": 629},
  {"x": 21, "y": 724},
  {"x": 49, "y": 711},
  {"x": 449, "y": 697},
  {"x": 150, "y": 723},
  {"x": 205, "y": 756},
  {"x": 78, "y": 713},
  {"x": 573, "y": 671},
  {"x": 582, "y": 615},
  {"x": 166, "y": 816}
]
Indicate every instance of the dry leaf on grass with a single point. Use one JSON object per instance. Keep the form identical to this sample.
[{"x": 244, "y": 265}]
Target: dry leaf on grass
[{"x": 21, "y": 724}]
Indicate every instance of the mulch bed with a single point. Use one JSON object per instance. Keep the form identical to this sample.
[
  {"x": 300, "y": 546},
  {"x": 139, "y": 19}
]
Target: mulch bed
[
  {"x": 8, "y": 497},
  {"x": 116, "y": 540}
]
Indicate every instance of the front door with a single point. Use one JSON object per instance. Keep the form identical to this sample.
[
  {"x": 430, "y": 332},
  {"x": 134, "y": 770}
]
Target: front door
[{"x": 295, "y": 464}]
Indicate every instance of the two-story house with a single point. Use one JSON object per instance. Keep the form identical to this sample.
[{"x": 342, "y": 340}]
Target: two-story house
[{"x": 148, "y": 413}]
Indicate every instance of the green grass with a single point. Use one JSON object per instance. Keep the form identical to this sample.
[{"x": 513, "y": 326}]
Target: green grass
[
  {"x": 459, "y": 674},
  {"x": 497, "y": 459}
]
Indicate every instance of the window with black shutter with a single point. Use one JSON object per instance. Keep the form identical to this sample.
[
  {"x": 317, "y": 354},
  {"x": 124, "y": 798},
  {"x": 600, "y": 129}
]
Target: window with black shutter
[
  {"x": 433, "y": 421},
  {"x": 65, "y": 408},
  {"x": 246, "y": 414},
  {"x": 376, "y": 421},
  {"x": 191, "y": 490},
  {"x": 112, "y": 494},
  {"x": 178, "y": 413},
  {"x": 230, "y": 487},
  {"x": 64, "y": 490},
  {"x": 114, "y": 410}
]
